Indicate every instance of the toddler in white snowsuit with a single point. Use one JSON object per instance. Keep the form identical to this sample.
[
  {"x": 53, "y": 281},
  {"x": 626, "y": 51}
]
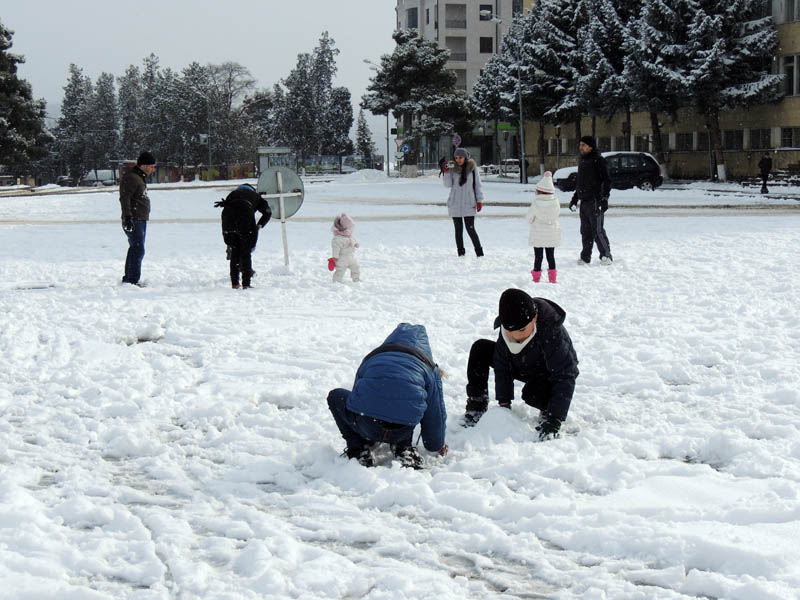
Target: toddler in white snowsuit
[
  {"x": 545, "y": 233},
  {"x": 343, "y": 249}
]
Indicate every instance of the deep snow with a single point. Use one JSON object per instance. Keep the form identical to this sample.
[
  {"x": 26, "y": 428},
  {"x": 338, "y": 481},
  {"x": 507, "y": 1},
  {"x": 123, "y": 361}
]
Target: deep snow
[{"x": 174, "y": 442}]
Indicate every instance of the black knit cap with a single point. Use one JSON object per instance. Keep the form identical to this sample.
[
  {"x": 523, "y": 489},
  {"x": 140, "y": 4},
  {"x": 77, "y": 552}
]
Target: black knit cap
[
  {"x": 145, "y": 158},
  {"x": 588, "y": 140},
  {"x": 517, "y": 309}
]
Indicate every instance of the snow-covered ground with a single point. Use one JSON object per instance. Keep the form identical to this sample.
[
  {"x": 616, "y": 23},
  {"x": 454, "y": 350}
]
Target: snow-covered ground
[{"x": 174, "y": 441}]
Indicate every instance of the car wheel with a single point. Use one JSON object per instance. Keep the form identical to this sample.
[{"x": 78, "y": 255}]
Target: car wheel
[{"x": 646, "y": 185}]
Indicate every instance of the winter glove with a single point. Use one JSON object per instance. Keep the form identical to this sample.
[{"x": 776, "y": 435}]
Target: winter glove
[
  {"x": 127, "y": 225},
  {"x": 573, "y": 205},
  {"x": 548, "y": 429},
  {"x": 604, "y": 204},
  {"x": 479, "y": 206},
  {"x": 443, "y": 450},
  {"x": 331, "y": 264}
]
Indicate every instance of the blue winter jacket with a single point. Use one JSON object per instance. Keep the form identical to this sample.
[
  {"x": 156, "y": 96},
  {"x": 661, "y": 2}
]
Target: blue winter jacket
[{"x": 400, "y": 388}]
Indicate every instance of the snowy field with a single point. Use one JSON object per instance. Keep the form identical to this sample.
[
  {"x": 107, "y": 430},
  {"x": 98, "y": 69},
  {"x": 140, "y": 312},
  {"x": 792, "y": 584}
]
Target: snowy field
[{"x": 174, "y": 441}]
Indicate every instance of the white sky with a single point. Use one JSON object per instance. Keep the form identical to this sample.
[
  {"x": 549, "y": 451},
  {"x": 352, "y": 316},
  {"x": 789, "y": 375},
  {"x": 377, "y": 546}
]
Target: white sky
[{"x": 265, "y": 36}]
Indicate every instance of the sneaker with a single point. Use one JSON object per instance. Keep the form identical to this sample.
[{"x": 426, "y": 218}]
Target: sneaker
[
  {"x": 408, "y": 457},
  {"x": 582, "y": 262},
  {"x": 476, "y": 406},
  {"x": 362, "y": 455},
  {"x": 235, "y": 286},
  {"x": 606, "y": 260}
]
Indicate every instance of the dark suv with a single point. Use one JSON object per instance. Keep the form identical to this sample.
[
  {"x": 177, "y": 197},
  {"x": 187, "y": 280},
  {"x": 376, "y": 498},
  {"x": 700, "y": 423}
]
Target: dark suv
[{"x": 626, "y": 169}]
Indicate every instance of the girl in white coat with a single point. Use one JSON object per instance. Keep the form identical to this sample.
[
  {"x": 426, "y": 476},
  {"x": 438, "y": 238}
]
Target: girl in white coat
[
  {"x": 343, "y": 249},
  {"x": 545, "y": 234}
]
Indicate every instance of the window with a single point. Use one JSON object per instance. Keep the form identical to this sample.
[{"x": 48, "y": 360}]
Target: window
[
  {"x": 790, "y": 137},
  {"x": 485, "y": 8},
  {"x": 461, "y": 79},
  {"x": 760, "y": 139},
  {"x": 629, "y": 162},
  {"x": 427, "y": 16},
  {"x": 619, "y": 142},
  {"x": 412, "y": 19},
  {"x": 664, "y": 142},
  {"x": 641, "y": 143},
  {"x": 516, "y": 7},
  {"x": 552, "y": 145},
  {"x": 455, "y": 16},
  {"x": 487, "y": 45},
  {"x": 457, "y": 47},
  {"x": 604, "y": 144},
  {"x": 703, "y": 140},
  {"x": 684, "y": 142},
  {"x": 612, "y": 162},
  {"x": 789, "y": 70},
  {"x": 572, "y": 146},
  {"x": 733, "y": 139},
  {"x": 791, "y": 11}
]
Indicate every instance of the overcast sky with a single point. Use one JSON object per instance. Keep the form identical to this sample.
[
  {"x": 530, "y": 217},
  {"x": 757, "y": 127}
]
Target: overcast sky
[{"x": 263, "y": 35}]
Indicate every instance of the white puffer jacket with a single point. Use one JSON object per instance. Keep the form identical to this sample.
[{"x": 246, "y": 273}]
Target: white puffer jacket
[{"x": 543, "y": 217}]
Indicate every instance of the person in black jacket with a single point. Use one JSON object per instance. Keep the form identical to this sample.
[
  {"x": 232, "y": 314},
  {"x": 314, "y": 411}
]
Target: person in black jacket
[
  {"x": 240, "y": 230},
  {"x": 135, "y": 205},
  {"x": 533, "y": 347},
  {"x": 592, "y": 190},
  {"x": 765, "y": 166}
]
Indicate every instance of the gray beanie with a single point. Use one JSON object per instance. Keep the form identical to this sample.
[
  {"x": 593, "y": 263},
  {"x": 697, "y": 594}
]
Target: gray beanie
[{"x": 461, "y": 152}]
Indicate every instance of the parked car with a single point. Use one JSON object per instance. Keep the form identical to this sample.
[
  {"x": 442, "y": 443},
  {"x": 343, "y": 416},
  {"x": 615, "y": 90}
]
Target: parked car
[
  {"x": 626, "y": 169},
  {"x": 509, "y": 165},
  {"x": 64, "y": 180}
]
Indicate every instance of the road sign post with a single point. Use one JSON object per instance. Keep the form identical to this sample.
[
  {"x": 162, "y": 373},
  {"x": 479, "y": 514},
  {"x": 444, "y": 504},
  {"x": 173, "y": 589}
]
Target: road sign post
[{"x": 272, "y": 186}]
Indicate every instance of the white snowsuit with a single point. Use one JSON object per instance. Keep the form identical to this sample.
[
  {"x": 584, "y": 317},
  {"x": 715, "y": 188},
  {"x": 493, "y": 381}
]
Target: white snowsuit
[
  {"x": 543, "y": 217},
  {"x": 344, "y": 251}
]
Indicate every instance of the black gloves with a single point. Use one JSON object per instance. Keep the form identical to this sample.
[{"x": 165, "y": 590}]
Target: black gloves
[
  {"x": 442, "y": 165},
  {"x": 127, "y": 225},
  {"x": 604, "y": 204},
  {"x": 573, "y": 205},
  {"x": 548, "y": 428}
]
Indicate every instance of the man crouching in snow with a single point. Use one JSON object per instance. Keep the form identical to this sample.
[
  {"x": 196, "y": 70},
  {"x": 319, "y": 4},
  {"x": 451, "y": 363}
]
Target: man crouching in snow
[
  {"x": 397, "y": 386},
  {"x": 533, "y": 347}
]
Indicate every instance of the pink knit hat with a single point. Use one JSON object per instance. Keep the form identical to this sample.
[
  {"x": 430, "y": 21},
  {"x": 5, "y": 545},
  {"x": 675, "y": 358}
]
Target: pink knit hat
[{"x": 545, "y": 185}]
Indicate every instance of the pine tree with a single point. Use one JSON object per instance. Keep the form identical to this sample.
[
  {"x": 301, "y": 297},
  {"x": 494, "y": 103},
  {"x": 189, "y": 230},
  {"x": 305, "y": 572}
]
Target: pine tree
[
  {"x": 656, "y": 62},
  {"x": 128, "y": 98},
  {"x": 364, "y": 144},
  {"x": 72, "y": 132},
  {"x": 340, "y": 122},
  {"x": 414, "y": 83},
  {"x": 102, "y": 137},
  {"x": 730, "y": 49},
  {"x": 296, "y": 123},
  {"x": 23, "y": 139}
]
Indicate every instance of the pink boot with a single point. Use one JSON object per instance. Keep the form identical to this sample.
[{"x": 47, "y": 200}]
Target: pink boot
[
  {"x": 551, "y": 275},
  {"x": 537, "y": 275}
]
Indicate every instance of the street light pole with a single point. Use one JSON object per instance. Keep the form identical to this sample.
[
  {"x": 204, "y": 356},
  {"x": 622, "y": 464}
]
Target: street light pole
[
  {"x": 523, "y": 171},
  {"x": 374, "y": 67}
]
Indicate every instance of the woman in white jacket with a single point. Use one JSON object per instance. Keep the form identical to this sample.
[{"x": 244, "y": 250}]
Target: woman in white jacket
[
  {"x": 545, "y": 234},
  {"x": 465, "y": 199}
]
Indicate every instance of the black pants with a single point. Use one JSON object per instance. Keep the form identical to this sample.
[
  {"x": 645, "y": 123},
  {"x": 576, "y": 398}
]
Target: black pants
[
  {"x": 593, "y": 231},
  {"x": 241, "y": 248},
  {"x": 535, "y": 393},
  {"x": 459, "y": 223},
  {"x": 537, "y": 258}
]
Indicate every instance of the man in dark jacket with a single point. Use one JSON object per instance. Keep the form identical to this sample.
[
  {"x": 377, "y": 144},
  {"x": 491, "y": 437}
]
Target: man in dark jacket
[
  {"x": 592, "y": 190},
  {"x": 240, "y": 230},
  {"x": 764, "y": 167},
  {"x": 533, "y": 347},
  {"x": 135, "y": 212},
  {"x": 397, "y": 386}
]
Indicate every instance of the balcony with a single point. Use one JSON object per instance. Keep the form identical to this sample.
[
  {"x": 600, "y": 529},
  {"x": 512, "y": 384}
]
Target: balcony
[{"x": 455, "y": 23}]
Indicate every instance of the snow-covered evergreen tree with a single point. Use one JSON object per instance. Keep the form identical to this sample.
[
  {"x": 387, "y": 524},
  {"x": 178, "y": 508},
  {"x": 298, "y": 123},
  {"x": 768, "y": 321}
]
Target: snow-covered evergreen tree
[
  {"x": 103, "y": 135},
  {"x": 74, "y": 123},
  {"x": 364, "y": 144},
  {"x": 23, "y": 139},
  {"x": 414, "y": 83},
  {"x": 129, "y": 94},
  {"x": 340, "y": 116},
  {"x": 730, "y": 48},
  {"x": 296, "y": 123},
  {"x": 656, "y": 62}
]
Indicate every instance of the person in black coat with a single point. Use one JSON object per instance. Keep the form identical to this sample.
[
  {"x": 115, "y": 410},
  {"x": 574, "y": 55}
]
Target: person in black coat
[
  {"x": 592, "y": 190},
  {"x": 533, "y": 347},
  {"x": 765, "y": 166},
  {"x": 240, "y": 230}
]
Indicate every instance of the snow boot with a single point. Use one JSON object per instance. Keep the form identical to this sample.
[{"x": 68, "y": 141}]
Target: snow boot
[
  {"x": 479, "y": 251},
  {"x": 476, "y": 406},
  {"x": 551, "y": 275},
  {"x": 461, "y": 251},
  {"x": 408, "y": 457},
  {"x": 537, "y": 275},
  {"x": 606, "y": 260},
  {"x": 362, "y": 455}
]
